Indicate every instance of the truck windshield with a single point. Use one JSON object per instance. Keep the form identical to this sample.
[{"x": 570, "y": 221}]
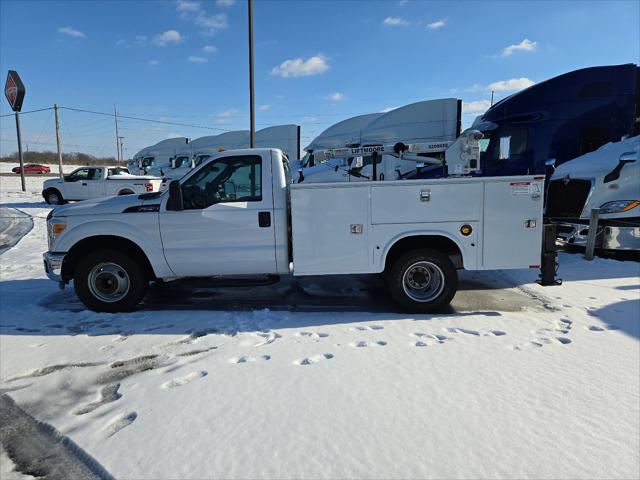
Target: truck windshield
[{"x": 181, "y": 162}]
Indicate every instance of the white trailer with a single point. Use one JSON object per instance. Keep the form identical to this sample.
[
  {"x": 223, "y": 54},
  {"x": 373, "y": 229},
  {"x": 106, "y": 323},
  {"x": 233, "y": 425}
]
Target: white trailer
[{"x": 434, "y": 121}]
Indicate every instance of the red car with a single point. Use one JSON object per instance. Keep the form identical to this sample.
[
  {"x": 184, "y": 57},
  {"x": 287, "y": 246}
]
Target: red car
[{"x": 33, "y": 168}]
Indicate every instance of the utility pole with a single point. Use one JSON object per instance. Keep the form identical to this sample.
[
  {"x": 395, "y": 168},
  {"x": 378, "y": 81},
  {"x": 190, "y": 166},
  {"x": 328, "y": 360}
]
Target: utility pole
[
  {"x": 24, "y": 187},
  {"x": 55, "y": 109},
  {"x": 492, "y": 98},
  {"x": 252, "y": 131},
  {"x": 121, "y": 148},
  {"x": 115, "y": 114}
]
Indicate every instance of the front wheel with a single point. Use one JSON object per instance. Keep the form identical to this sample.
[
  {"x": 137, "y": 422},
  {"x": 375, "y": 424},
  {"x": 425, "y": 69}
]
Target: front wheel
[
  {"x": 53, "y": 197},
  {"x": 109, "y": 281},
  {"x": 422, "y": 281}
]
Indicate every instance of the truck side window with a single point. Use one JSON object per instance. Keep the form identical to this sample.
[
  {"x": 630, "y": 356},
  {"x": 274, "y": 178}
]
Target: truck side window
[
  {"x": 229, "y": 179},
  {"x": 511, "y": 143},
  {"x": 95, "y": 174},
  {"x": 80, "y": 174}
]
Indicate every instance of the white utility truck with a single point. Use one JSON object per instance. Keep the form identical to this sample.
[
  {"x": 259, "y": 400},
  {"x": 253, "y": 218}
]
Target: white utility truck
[
  {"x": 96, "y": 182},
  {"x": 607, "y": 179},
  {"x": 238, "y": 214}
]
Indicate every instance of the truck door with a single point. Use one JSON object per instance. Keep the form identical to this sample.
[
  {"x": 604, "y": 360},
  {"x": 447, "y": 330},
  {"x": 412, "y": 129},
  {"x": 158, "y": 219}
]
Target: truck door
[
  {"x": 95, "y": 184},
  {"x": 76, "y": 186},
  {"x": 226, "y": 227}
]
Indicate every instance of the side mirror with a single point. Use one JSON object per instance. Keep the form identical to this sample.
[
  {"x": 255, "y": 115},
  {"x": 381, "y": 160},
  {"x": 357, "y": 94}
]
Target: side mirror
[
  {"x": 175, "y": 203},
  {"x": 627, "y": 157},
  {"x": 551, "y": 163}
]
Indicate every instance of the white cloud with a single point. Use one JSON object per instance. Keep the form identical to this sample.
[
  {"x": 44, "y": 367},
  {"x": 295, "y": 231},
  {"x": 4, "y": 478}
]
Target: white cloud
[
  {"x": 402, "y": 3},
  {"x": 209, "y": 49},
  {"x": 336, "y": 97},
  {"x": 168, "y": 37},
  {"x": 225, "y": 3},
  {"x": 71, "y": 32},
  {"x": 510, "y": 85},
  {"x": 154, "y": 63},
  {"x": 211, "y": 23},
  {"x": 475, "y": 107},
  {"x": 525, "y": 45},
  {"x": 264, "y": 107},
  {"x": 388, "y": 109},
  {"x": 194, "y": 11},
  {"x": 187, "y": 6},
  {"x": 121, "y": 41},
  {"x": 225, "y": 115},
  {"x": 298, "y": 67},
  {"x": 195, "y": 59},
  {"x": 395, "y": 22},
  {"x": 437, "y": 24}
]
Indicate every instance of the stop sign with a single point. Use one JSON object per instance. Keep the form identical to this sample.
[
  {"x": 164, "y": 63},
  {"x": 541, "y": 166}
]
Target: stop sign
[{"x": 14, "y": 90}]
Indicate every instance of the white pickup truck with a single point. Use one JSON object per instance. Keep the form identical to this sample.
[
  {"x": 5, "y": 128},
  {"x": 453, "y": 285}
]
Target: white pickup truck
[
  {"x": 238, "y": 214},
  {"x": 96, "y": 182}
]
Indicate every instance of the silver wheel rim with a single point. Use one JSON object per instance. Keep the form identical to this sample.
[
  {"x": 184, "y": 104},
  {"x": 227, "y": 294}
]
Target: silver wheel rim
[
  {"x": 53, "y": 198},
  {"x": 423, "y": 281},
  {"x": 108, "y": 282}
]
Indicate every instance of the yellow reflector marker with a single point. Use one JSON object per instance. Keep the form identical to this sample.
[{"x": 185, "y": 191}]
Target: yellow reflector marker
[
  {"x": 466, "y": 230},
  {"x": 58, "y": 228},
  {"x": 631, "y": 205}
]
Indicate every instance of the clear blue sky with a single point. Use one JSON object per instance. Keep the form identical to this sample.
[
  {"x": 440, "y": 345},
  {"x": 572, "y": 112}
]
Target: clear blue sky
[{"x": 316, "y": 62}]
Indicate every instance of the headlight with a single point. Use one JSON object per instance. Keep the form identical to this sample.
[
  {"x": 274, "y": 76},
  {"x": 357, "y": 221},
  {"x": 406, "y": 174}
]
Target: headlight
[
  {"x": 55, "y": 227},
  {"x": 619, "y": 206}
]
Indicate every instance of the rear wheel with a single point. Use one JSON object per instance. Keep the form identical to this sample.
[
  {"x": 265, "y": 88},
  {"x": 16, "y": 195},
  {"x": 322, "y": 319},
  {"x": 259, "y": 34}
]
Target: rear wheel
[
  {"x": 422, "y": 280},
  {"x": 109, "y": 281},
  {"x": 53, "y": 197}
]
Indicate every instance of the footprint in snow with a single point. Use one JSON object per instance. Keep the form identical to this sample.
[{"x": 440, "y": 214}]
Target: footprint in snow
[
  {"x": 180, "y": 381},
  {"x": 494, "y": 333},
  {"x": 247, "y": 359},
  {"x": 313, "y": 335},
  {"x": 108, "y": 394},
  {"x": 118, "y": 423},
  {"x": 314, "y": 359},
  {"x": 540, "y": 342},
  {"x": 364, "y": 328},
  {"x": 596, "y": 328},
  {"x": 463, "y": 330},
  {"x": 425, "y": 337},
  {"x": 364, "y": 343}
]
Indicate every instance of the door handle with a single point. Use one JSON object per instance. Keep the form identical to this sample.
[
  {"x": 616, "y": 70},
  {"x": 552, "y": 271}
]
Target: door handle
[{"x": 264, "y": 219}]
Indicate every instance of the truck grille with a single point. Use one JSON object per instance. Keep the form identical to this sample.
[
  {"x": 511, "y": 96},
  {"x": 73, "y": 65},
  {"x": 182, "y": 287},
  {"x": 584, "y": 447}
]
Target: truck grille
[{"x": 566, "y": 200}]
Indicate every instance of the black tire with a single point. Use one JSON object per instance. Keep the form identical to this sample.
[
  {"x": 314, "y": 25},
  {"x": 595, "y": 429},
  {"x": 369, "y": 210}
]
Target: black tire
[
  {"x": 87, "y": 269},
  {"x": 53, "y": 191},
  {"x": 432, "y": 265}
]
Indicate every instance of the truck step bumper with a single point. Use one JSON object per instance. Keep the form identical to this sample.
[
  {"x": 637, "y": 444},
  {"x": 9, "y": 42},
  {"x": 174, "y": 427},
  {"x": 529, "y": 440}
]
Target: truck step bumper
[{"x": 53, "y": 265}]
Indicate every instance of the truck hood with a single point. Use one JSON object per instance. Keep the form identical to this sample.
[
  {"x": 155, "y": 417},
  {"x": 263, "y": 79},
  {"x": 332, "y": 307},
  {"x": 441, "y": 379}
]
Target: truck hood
[
  {"x": 101, "y": 206},
  {"x": 52, "y": 182},
  {"x": 599, "y": 162}
]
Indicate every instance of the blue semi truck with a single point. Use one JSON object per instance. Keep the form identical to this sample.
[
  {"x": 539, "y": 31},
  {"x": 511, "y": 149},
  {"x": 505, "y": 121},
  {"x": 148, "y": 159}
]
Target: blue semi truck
[{"x": 560, "y": 119}]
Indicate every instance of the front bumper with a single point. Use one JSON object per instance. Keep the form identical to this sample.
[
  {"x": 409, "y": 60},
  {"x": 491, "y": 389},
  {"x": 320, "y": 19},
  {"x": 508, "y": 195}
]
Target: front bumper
[
  {"x": 53, "y": 265},
  {"x": 608, "y": 237}
]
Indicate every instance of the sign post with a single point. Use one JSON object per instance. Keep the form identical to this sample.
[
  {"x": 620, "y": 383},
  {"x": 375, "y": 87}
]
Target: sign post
[{"x": 14, "y": 91}]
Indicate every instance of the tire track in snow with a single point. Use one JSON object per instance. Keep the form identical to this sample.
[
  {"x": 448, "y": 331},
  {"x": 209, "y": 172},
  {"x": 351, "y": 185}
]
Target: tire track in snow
[{"x": 38, "y": 449}]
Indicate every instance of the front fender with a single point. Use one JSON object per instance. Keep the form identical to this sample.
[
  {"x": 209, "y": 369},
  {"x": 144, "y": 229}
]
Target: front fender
[{"x": 145, "y": 233}]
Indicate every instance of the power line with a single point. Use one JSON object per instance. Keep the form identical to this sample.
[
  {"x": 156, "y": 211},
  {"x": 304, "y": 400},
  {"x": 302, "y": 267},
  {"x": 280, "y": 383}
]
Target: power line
[
  {"x": 30, "y": 111},
  {"x": 144, "y": 119}
]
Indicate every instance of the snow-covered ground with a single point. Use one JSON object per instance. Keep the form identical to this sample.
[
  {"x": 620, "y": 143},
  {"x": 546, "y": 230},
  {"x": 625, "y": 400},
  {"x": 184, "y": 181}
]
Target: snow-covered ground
[{"x": 517, "y": 381}]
